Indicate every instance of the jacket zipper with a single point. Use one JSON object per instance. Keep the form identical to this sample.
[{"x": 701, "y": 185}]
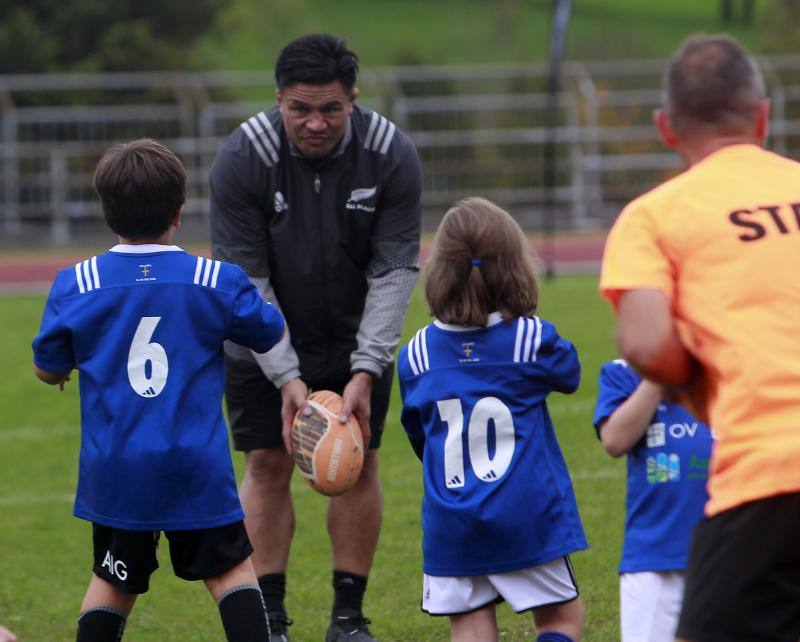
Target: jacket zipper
[{"x": 317, "y": 189}]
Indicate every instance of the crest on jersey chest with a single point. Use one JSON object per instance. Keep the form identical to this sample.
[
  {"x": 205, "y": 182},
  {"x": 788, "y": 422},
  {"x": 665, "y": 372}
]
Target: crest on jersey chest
[{"x": 468, "y": 351}]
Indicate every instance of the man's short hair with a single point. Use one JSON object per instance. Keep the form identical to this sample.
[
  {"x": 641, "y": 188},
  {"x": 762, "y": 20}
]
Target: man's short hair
[
  {"x": 142, "y": 186},
  {"x": 316, "y": 59},
  {"x": 712, "y": 83}
]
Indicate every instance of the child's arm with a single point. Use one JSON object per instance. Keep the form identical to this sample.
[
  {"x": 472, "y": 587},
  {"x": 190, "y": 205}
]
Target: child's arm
[
  {"x": 626, "y": 425},
  {"x": 409, "y": 416}
]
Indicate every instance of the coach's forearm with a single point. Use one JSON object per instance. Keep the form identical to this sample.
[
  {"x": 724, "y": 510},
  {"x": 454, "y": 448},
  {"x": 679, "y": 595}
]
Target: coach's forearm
[
  {"x": 382, "y": 321},
  {"x": 648, "y": 340},
  {"x": 280, "y": 364}
]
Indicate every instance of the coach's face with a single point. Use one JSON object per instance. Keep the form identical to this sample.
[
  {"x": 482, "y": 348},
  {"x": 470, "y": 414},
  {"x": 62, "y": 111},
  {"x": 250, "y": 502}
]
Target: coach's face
[{"x": 315, "y": 116}]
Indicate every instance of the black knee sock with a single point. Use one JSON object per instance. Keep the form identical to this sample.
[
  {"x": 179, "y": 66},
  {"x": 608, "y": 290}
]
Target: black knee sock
[
  {"x": 273, "y": 588},
  {"x": 101, "y": 624},
  {"x": 243, "y": 615},
  {"x": 348, "y": 591}
]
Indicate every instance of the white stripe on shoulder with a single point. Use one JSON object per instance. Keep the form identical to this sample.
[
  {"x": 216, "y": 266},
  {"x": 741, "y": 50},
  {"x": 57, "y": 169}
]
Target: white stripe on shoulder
[
  {"x": 371, "y": 131},
  {"x": 86, "y": 276},
  {"x": 256, "y": 144},
  {"x": 529, "y": 330},
  {"x": 424, "y": 335},
  {"x": 388, "y": 138},
  {"x": 418, "y": 351},
  {"x": 410, "y": 351},
  {"x": 95, "y": 273},
  {"x": 537, "y": 341},
  {"x": 518, "y": 340},
  {"x": 276, "y": 143},
  {"x": 379, "y": 134},
  {"x": 257, "y": 123},
  {"x": 206, "y": 271},
  {"x": 197, "y": 270},
  {"x": 79, "y": 278},
  {"x": 215, "y": 274}
]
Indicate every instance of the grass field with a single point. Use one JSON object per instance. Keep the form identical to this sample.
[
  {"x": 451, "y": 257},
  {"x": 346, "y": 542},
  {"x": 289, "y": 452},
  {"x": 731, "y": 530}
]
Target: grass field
[{"x": 46, "y": 553}]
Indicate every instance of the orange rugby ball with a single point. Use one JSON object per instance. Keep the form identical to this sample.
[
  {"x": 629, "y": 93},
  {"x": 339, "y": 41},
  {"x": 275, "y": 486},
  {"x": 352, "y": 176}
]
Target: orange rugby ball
[{"x": 328, "y": 453}]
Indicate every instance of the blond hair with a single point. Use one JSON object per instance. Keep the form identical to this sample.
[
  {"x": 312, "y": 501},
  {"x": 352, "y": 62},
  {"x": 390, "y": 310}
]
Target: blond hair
[{"x": 480, "y": 263}]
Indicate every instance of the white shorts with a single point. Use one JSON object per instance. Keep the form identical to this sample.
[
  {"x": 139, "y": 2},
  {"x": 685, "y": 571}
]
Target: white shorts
[
  {"x": 650, "y": 603},
  {"x": 550, "y": 583}
]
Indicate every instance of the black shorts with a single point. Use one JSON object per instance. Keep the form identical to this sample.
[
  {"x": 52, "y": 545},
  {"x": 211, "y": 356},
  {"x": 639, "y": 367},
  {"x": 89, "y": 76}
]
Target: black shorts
[
  {"x": 743, "y": 580},
  {"x": 254, "y": 404},
  {"x": 126, "y": 559}
]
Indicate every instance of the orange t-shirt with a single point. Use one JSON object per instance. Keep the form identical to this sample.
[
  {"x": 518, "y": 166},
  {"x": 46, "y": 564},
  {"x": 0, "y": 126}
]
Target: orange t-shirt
[{"x": 722, "y": 241}]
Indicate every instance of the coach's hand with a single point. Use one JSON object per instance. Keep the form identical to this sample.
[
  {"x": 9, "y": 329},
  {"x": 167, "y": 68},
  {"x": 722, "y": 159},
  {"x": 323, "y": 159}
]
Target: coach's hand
[
  {"x": 356, "y": 397},
  {"x": 293, "y": 397},
  {"x": 6, "y": 635}
]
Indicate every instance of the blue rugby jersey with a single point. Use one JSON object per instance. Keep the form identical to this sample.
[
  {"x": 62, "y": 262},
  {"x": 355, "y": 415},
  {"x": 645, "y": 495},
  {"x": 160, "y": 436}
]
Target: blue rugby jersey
[
  {"x": 497, "y": 494},
  {"x": 667, "y": 475},
  {"x": 145, "y": 325}
]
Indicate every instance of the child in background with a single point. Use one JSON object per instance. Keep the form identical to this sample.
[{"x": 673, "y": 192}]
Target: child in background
[
  {"x": 499, "y": 516},
  {"x": 668, "y": 452},
  {"x": 144, "y": 324}
]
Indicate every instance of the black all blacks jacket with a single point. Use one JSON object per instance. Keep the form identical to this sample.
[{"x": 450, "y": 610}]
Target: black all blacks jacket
[{"x": 334, "y": 242}]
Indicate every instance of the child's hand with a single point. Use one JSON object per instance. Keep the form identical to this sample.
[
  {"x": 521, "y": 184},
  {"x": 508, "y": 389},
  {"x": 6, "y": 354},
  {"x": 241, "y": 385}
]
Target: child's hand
[{"x": 61, "y": 388}]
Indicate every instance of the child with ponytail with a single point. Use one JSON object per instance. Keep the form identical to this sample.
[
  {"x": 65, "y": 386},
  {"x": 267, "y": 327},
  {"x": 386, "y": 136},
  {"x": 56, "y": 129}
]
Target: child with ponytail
[{"x": 499, "y": 516}]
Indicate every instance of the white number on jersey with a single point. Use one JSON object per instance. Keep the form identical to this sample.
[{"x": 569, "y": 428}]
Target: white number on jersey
[
  {"x": 488, "y": 469},
  {"x": 143, "y": 352}
]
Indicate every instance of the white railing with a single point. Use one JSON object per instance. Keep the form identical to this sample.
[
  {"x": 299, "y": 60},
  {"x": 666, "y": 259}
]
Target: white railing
[{"x": 479, "y": 130}]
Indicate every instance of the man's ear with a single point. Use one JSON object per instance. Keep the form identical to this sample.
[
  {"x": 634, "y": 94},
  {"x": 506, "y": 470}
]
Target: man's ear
[
  {"x": 354, "y": 94},
  {"x": 762, "y": 120},
  {"x": 665, "y": 130},
  {"x": 176, "y": 222},
  {"x": 278, "y": 96}
]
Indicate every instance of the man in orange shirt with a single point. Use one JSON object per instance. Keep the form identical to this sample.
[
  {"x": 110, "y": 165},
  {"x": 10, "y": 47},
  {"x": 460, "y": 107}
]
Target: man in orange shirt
[{"x": 704, "y": 273}]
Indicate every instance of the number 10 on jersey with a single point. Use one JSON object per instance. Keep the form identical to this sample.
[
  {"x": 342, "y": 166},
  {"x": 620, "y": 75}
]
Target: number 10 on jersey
[{"x": 485, "y": 468}]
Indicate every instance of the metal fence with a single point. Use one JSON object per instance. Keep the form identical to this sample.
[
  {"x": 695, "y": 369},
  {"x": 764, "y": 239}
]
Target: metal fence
[{"x": 479, "y": 130}]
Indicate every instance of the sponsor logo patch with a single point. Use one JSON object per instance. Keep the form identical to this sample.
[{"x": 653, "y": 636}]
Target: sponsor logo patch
[{"x": 359, "y": 195}]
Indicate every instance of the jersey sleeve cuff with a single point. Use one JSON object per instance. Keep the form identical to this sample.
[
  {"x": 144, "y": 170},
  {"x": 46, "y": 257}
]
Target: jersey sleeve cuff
[
  {"x": 367, "y": 365},
  {"x": 283, "y": 379}
]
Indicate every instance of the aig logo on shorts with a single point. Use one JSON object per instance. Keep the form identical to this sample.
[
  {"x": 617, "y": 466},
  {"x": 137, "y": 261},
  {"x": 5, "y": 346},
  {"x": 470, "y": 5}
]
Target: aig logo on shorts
[{"x": 116, "y": 568}]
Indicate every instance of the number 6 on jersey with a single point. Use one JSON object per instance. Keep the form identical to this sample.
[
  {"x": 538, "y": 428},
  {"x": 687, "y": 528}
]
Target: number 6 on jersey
[
  {"x": 142, "y": 353},
  {"x": 486, "y": 468}
]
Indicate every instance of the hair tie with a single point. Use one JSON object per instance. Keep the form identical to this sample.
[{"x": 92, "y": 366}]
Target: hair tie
[{"x": 476, "y": 261}]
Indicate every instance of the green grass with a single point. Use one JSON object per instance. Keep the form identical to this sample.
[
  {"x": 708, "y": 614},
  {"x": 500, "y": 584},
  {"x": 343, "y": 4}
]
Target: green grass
[{"x": 46, "y": 553}]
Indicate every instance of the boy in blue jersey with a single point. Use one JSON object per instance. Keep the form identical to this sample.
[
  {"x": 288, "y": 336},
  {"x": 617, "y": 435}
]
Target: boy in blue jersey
[
  {"x": 145, "y": 324},
  {"x": 499, "y": 516},
  {"x": 668, "y": 452}
]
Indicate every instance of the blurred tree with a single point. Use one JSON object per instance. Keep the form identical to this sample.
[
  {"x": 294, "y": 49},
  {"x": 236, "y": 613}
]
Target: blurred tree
[
  {"x": 780, "y": 26},
  {"x": 727, "y": 11},
  {"x": 102, "y": 35}
]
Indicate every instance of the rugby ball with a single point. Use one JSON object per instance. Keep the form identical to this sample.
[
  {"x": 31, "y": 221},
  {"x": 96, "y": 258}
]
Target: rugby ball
[{"x": 328, "y": 453}]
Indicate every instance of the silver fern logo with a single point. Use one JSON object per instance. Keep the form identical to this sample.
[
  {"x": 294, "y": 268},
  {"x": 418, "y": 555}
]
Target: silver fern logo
[
  {"x": 280, "y": 203},
  {"x": 359, "y": 195}
]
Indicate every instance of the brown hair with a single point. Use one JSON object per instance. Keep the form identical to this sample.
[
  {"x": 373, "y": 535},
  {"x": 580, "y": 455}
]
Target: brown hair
[
  {"x": 480, "y": 262},
  {"x": 711, "y": 82},
  {"x": 142, "y": 186}
]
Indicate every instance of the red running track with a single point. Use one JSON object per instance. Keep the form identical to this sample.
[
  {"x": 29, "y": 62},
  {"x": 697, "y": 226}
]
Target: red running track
[{"x": 28, "y": 274}]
